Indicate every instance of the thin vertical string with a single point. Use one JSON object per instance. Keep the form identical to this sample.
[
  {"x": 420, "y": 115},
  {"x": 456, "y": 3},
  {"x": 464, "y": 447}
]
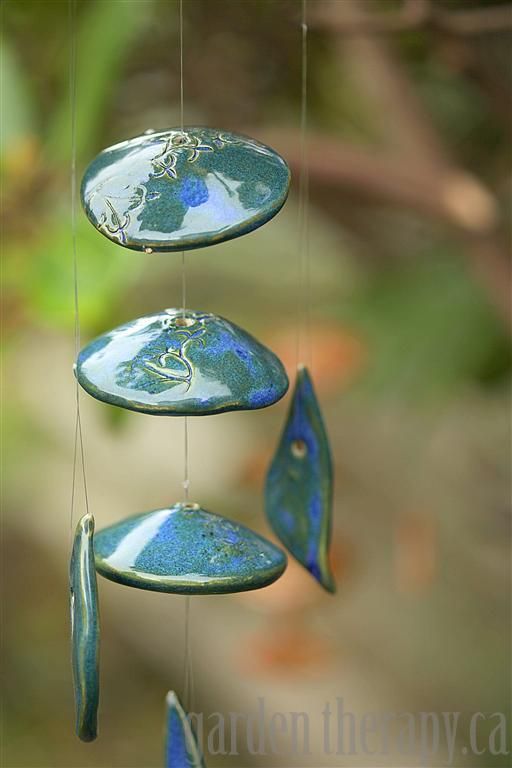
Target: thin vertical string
[
  {"x": 183, "y": 274},
  {"x": 188, "y": 681},
  {"x": 186, "y": 480},
  {"x": 304, "y": 347},
  {"x": 188, "y": 675},
  {"x": 78, "y": 437},
  {"x": 181, "y": 61}
]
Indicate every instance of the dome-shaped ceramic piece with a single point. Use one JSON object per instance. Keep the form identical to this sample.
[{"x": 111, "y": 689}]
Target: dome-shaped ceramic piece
[
  {"x": 186, "y": 550},
  {"x": 175, "y": 190},
  {"x": 174, "y": 363}
]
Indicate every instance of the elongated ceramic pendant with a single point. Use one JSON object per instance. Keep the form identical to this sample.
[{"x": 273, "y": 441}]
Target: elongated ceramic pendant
[
  {"x": 85, "y": 629},
  {"x": 175, "y": 190},
  {"x": 186, "y": 550},
  {"x": 298, "y": 493},
  {"x": 175, "y": 365},
  {"x": 181, "y": 747}
]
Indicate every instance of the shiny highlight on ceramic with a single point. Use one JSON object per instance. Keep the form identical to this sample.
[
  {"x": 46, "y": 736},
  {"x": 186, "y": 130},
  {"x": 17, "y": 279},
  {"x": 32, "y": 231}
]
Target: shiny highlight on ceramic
[
  {"x": 181, "y": 747},
  {"x": 299, "y": 486},
  {"x": 176, "y": 190},
  {"x": 177, "y": 364},
  {"x": 186, "y": 550},
  {"x": 85, "y": 629}
]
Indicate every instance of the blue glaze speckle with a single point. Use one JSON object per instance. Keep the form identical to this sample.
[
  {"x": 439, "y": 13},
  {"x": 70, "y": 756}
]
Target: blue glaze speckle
[
  {"x": 298, "y": 492},
  {"x": 194, "y": 192},
  {"x": 186, "y": 550},
  {"x": 85, "y": 629},
  {"x": 163, "y": 364},
  {"x": 181, "y": 747},
  {"x": 175, "y": 190}
]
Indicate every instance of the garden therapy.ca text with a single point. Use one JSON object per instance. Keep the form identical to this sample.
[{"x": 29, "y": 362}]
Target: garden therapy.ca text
[{"x": 421, "y": 736}]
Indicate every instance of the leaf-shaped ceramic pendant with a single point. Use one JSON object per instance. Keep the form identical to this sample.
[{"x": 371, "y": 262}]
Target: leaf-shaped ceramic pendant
[
  {"x": 85, "y": 629},
  {"x": 298, "y": 493},
  {"x": 186, "y": 550},
  {"x": 180, "y": 189},
  {"x": 181, "y": 364},
  {"x": 181, "y": 747}
]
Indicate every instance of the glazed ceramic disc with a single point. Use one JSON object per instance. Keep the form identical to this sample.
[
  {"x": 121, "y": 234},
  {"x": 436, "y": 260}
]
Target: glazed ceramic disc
[
  {"x": 176, "y": 190},
  {"x": 175, "y": 364},
  {"x": 186, "y": 550}
]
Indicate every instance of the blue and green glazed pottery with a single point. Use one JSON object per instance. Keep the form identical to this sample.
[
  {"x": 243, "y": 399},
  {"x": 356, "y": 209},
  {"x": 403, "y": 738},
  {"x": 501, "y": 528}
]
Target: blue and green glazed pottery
[
  {"x": 299, "y": 487},
  {"x": 85, "y": 629},
  {"x": 186, "y": 550},
  {"x": 175, "y": 190},
  {"x": 181, "y": 364},
  {"x": 181, "y": 747}
]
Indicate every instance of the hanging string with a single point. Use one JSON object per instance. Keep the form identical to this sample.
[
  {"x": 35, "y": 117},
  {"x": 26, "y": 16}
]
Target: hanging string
[
  {"x": 188, "y": 680},
  {"x": 188, "y": 674},
  {"x": 78, "y": 437},
  {"x": 304, "y": 347},
  {"x": 183, "y": 274},
  {"x": 181, "y": 61},
  {"x": 186, "y": 480}
]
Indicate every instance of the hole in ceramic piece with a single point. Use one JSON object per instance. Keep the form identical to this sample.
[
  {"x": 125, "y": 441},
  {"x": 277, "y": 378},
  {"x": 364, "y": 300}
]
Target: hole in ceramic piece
[
  {"x": 184, "y": 322},
  {"x": 190, "y": 505},
  {"x": 299, "y": 449},
  {"x": 179, "y": 139}
]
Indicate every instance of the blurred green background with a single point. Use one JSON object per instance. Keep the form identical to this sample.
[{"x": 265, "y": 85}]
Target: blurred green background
[{"x": 409, "y": 148}]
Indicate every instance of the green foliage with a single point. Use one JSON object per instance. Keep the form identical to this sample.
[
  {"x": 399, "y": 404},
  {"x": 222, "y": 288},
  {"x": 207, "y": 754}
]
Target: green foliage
[
  {"x": 38, "y": 261},
  {"x": 17, "y": 112},
  {"x": 106, "y": 33},
  {"x": 430, "y": 330},
  {"x": 41, "y": 275},
  {"x": 459, "y": 109}
]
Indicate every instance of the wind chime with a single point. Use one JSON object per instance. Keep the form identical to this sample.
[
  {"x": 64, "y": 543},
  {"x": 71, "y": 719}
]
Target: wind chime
[{"x": 167, "y": 191}]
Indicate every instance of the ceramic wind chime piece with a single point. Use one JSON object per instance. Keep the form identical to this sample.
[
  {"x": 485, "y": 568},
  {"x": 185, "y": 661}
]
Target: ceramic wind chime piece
[
  {"x": 180, "y": 363},
  {"x": 181, "y": 747},
  {"x": 299, "y": 485},
  {"x": 85, "y": 629},
  {"x": 186, "y": 550},
  {"x": 181, "y": 189}
]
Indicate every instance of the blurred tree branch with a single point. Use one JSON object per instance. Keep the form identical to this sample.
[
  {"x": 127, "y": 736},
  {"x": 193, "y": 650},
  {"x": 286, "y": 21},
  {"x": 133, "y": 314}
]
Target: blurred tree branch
[
  {"x": 419, "y": 13},
  {"x": 453, "y": 196},
  {"x": 415, "y": 169}
]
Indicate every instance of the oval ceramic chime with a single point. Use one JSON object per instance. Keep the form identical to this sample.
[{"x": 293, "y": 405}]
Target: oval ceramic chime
[{"x": 170, "y": 191}]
